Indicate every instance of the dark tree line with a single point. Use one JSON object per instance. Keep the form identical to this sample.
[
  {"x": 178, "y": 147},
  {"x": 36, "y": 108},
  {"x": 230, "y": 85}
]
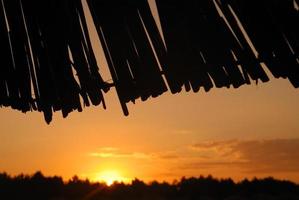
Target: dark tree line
[{"x": 38, "y": 186}]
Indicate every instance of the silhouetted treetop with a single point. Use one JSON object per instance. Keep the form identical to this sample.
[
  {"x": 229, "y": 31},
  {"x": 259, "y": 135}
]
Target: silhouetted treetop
[
  {"x": 38, "y": 186},
  {"x": 48, "y": 63}
]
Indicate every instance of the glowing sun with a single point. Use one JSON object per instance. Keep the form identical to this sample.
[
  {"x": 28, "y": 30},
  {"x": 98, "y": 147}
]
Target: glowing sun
[{"x": 109, "y": 177}]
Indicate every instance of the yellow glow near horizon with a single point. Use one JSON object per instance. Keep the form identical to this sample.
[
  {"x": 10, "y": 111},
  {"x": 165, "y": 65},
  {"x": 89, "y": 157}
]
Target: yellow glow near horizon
[{"x": 109, "y": 177}]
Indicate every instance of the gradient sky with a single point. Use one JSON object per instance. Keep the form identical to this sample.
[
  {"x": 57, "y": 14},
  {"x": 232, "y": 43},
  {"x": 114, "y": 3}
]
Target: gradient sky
[{"x": 245, "y": 132}]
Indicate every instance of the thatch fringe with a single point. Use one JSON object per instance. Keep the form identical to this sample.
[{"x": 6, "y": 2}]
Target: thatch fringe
[
  {"x": 48, "y": 63},
  {"x": 132, "y": 63},
  {"x": 48, "y": 42}
]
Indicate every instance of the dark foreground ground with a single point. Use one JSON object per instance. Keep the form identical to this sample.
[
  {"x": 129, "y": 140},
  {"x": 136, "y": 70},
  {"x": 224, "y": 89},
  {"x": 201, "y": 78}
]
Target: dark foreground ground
[{"x": 38, "y": 186}]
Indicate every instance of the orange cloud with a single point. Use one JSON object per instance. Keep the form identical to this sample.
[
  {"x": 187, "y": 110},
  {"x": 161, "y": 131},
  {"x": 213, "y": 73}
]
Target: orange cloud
[
  {"x": 116, "y": 153},
  {"x": 277, "y": 155},
  {"x": 255, "y": 156}
]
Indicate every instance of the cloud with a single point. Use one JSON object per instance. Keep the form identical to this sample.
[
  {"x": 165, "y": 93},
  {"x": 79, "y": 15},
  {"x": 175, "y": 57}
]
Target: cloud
[
  {"x": 216, "y": 148},
  {"x": 255, "y": 156},
  {"x": 120, "y": 155},
  {"x": 167, "y": 156},
  {"x": 116, "y": 153},
  {"x": 216, "y": 151},
  {"x": 279, "y": 155},
  {"x": 212, "y": 164},
  {"x": 207, "y": 145}
]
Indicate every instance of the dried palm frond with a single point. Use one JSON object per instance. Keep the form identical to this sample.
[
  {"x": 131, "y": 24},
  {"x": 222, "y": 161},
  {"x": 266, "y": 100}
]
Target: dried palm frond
[{"x": 48, "y": 63}]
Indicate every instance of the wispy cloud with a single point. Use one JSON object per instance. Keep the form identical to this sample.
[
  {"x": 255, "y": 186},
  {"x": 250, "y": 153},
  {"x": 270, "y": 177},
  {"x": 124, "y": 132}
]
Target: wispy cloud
[
  {"x": 239, "y": 157},
  {"x": 279, "y": 155},
  {"x": 167, "y": 155},
  {"x": 255, "y": 156},
  {"x": 215, "y": 148},
  {"x": 215, "y": 145},
  {"x": 117, "y": 153},
  {"x": 120, "y": 155}
]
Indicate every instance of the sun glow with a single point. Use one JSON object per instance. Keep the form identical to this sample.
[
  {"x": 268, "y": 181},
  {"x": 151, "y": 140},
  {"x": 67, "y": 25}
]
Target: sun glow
[{"x": 109, "y": 177}]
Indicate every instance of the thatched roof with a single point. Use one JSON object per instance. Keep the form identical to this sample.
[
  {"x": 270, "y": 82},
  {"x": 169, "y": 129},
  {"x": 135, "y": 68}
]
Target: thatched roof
[{"x": 48, "y": 64}]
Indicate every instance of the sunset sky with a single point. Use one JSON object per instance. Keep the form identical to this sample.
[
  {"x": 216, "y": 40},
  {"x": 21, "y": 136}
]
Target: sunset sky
[{"x": 238, "y": 133}]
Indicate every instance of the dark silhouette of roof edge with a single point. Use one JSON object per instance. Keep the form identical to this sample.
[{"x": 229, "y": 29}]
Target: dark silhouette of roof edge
[{"x": 48, "y": 63}]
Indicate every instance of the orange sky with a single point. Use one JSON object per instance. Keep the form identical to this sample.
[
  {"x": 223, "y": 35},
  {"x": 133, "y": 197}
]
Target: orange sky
[{"x": 250, "y": 131}]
